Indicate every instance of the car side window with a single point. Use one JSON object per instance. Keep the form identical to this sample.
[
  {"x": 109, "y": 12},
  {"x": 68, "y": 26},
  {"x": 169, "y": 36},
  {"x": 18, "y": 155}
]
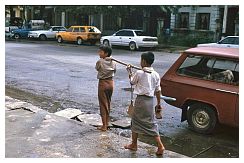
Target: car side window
[
  {"x": 120, "y": 33},
  {"x": 224, "y": 71},
  {"x": 82, "y": 29},
  {"x": 128, "y": 33},
  {"x": 76, "y": 29},
  {"x": 194, "y": 66},
  {"x": 70, "y": 29},
  {"x": 91, "y": 29},
  {"x": 237, "y": 41},
  {"x": 209, "y": 68}
]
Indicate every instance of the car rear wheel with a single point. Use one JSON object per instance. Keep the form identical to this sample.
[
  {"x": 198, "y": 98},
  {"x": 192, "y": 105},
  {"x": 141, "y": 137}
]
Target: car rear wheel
[
  {"x": 201, "y": 118},
  {"x": 79, "y": 41},
  {"x": 16, "y": 36},
  {"x": 42, "y": 37},
  {"x": 132, "y": 46},
  {"x": 60, "y": 39},
  {"x": 106, "y": 42}
]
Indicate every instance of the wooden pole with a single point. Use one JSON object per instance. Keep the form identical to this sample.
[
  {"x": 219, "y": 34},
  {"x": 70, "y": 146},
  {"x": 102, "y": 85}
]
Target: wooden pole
[{"x": 126, "y": 64}]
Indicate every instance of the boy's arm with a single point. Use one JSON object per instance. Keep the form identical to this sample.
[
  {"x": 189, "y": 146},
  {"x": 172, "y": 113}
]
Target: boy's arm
[
  {"x": 158, "y": 94},
  {"x": 132, "y": 76},
  {"x": 98, "y": 65},
  {"x": 158, "y": 89}
]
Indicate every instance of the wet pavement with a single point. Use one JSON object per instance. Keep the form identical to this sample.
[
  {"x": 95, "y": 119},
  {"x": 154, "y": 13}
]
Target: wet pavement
[
  {"x": 34, "y": 133},
  {"x": 59, "y": 76}
]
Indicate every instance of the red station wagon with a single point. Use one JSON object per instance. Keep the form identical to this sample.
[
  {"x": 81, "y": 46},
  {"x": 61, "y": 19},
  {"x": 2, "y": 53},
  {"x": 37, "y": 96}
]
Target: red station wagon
[{"x": 205, "y": 83}]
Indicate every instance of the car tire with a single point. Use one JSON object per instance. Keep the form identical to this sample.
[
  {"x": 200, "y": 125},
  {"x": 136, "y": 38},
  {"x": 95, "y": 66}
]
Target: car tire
[
  {"x": 201, "y": 118},
  {"x": 106, "y": 42},
  {"x": 60, "y": 39},
  {"x": 79, "y": 41},
  {"x": 43, "y": 37},
  {"x": 17, "y": 36},
  {"x": 132, "y": 46}
]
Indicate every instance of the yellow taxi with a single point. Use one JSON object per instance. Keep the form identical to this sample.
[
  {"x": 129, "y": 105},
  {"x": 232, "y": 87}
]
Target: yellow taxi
[{"x": 80, "y": 34}]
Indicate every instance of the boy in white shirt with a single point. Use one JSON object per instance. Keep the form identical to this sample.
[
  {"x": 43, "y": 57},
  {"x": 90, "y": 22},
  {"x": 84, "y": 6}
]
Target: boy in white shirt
[{"x": 143, "y": 118}]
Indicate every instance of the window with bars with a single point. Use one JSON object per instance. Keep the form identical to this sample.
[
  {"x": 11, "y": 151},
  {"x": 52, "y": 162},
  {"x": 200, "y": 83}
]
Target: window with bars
[
  {"x": 203, "y": 21},
  {"x": 183, "y": 20}
]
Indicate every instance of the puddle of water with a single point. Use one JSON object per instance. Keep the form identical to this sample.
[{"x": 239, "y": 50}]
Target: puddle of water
[{"x": 186, "y": 146}]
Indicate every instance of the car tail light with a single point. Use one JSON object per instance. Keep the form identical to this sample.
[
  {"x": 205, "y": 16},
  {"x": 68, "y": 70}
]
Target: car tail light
[{"x": 149, "y": 39}]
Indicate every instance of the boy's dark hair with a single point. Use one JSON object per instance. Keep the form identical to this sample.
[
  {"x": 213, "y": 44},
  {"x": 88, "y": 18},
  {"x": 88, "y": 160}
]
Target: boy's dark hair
[
  {"x": 148, "y": 57},
  {"x": 106, "y": 49}
]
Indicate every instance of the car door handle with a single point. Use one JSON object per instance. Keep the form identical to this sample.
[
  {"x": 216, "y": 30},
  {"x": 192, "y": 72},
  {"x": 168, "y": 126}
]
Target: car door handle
[
  {"x": 129, "y": 38},
  {"x": 222, "y": 90},
  {"x": 120, "y": 38}
]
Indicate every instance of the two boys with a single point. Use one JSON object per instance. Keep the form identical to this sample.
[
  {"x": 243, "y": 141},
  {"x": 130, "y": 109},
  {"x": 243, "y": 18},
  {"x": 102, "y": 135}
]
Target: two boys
[{"x": 146, "y": 86}]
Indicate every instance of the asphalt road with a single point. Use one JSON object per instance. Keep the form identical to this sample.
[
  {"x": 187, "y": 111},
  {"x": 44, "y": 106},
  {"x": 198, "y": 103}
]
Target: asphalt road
[{"x": 57, "y": 76}]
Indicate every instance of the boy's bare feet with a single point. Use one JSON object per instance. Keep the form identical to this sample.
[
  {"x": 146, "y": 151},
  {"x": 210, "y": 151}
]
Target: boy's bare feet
[
  {"x": 102, "y": 128},
  {"x": 131, "y": 147},
  {"x": 160, "y": 151}
]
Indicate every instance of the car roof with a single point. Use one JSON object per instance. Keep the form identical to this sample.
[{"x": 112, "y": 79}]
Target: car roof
[
  {"x": 56, "y": 26},
  {"x": 81, "y": 26},
  {"x": 215, "y": 51},
  {"x": 132, "y": 29},
  {"x": 232, "y": 36}
]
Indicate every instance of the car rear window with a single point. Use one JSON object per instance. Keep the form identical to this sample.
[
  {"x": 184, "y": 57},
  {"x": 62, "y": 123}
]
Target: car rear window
[
  {"x": 140, "y": 33},
  {"x": 210, "y": 68}
]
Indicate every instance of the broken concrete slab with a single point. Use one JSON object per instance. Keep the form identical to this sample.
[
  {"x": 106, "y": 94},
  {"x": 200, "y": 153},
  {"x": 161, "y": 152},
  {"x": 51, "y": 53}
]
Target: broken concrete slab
[
  {"x": 69, "y": 113},
  {"x": 122, "y": 123},
  {"x": 14, "y": 105},
  {"x": 31, "y": 107},
  {"x": 91, "y": 119}
]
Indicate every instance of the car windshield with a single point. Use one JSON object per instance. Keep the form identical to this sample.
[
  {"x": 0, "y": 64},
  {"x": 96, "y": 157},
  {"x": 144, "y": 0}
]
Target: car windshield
[{"x": 140, "y": 33}]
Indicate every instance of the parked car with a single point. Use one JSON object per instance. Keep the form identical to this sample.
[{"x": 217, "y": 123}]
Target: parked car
[
  {"x": 31, "y": 26},
  {"x": 46, "y": 34},
  {"x": 229, "y": 41},
  {"x": 80, "y": 34},
  {"x": 21, "y": 33},
  {"x": 132, "y": 38},
  {"x": 8, "y": 31},
  {"x": 205, "y": 83}
]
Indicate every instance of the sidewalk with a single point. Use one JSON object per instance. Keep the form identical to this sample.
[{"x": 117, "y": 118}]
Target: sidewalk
[
  {"x": 171, "y": 48},
  {"x": 31, "y": 132}
]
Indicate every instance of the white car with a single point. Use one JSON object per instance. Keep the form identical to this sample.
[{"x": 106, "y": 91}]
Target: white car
[
  {"x": 46, "y": 34},
  {"x": 229, "y": 42},
  {"x": 132, "y": 38}
]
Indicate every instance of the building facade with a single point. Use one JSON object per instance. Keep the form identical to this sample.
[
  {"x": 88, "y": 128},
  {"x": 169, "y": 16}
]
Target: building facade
[
  {"x": 215, "y": 21},
  {"x": 208, "y": 21}
]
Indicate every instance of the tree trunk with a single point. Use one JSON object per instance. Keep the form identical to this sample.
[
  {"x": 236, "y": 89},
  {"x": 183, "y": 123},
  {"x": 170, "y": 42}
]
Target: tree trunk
[{"x": 11, "y": 10}]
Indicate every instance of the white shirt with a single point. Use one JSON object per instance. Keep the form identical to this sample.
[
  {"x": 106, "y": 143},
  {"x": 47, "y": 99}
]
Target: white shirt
[{"x": 146, "y": 83}]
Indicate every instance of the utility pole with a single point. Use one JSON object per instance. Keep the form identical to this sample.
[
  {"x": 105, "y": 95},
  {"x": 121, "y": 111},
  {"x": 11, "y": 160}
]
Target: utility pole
[
  {"x": 101, "y": 22},
  {"x": 225, "y": 20}
]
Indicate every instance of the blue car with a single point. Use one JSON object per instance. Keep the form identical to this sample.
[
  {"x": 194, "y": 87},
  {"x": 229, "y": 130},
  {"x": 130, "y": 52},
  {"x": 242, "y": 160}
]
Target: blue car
[{"x": 21, "y": 33}]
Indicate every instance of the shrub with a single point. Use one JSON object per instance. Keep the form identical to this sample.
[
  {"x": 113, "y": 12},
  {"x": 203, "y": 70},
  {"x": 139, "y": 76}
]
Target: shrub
[{"x": 190, "y": 38}]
